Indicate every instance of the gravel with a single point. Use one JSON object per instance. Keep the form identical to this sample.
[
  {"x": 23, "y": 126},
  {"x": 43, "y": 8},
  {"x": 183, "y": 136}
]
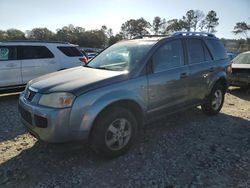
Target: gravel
[{"x": 188, "y": 149}]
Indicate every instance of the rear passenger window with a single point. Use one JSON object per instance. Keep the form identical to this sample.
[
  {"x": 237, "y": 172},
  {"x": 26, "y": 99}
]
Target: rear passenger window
[
  {"x": 35, "y": 52},
  {"x": 195, "y": 51},
  {"x": 8, "y": 53},
  {"x": 217, "y": 49},
  {"x": 70, "y": 51},
  {"x": 168, "y": 56}
]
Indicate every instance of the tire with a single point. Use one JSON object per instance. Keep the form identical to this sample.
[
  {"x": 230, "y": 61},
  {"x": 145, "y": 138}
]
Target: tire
[
  {"x": 114, "y": 132},
  {"x": 214, "y": 101}
]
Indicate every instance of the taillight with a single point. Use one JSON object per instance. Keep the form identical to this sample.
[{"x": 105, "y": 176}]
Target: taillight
[{"x": 83, "y": 59}]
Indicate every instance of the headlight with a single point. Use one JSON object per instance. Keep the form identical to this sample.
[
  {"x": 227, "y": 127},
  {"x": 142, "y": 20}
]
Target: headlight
[{"x": 57, "y": 100}]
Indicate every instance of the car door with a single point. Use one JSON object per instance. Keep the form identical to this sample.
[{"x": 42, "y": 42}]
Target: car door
[
  {"x": 10, "y": 67},
  {"x": 167, "y": 85},
  {"x": 36, "y": 61},
  {"x": 201, "y": 68}
]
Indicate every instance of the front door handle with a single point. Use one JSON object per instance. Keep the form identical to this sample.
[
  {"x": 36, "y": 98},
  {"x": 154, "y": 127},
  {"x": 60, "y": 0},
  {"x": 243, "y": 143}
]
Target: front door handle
[
  {"x": 211, "y": 69},
  {"x": 184, "y": 75}
]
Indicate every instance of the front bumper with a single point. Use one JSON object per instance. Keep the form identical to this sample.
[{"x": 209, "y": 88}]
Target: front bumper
[
  {"x": 239, "y": 80},
  {"x": 48, "y": 124}
]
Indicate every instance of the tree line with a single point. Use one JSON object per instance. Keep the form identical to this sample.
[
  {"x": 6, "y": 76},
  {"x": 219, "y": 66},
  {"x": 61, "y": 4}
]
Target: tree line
[{"x": 193, "y": 20}]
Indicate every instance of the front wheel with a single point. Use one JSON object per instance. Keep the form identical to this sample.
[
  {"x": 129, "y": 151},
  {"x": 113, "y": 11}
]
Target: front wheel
[
  {"x": 114, "y": 132},
  {"x": 214, "y": 102}
]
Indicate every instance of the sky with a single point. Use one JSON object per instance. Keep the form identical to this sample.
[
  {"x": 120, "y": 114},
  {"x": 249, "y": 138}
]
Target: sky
[{"x": 92, "y": 14}]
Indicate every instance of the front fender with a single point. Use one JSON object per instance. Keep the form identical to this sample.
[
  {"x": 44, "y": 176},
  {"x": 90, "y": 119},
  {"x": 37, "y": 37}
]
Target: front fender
[
  {"x": 107, "y": 100},
  {"x": 87, "y": 106}
]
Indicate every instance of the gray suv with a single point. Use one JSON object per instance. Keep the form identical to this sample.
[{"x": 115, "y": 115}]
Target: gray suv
[{"x": 127, "y": 85}]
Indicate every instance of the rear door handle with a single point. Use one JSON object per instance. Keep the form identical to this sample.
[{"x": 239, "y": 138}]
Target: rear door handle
[{"x": 184, "y": 75}]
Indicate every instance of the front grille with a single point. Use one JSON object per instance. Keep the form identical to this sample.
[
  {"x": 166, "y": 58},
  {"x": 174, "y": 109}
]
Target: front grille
[
  {"x": 29, "y": 95},
  {"x": 25, "y": 114},
  {"x": 240, "y": 71},
  {"x": 41, "y": 122}
]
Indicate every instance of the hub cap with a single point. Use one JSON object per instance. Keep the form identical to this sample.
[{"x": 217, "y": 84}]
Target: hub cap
[
  {"x": 217, "y": 100},
  {"x": 118, "y": 134}
]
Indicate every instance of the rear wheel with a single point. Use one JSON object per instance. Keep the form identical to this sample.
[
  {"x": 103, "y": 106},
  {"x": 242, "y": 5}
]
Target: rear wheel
[
  {"x": 114, "y": 132},
  {"x": 214, "y": 101}
]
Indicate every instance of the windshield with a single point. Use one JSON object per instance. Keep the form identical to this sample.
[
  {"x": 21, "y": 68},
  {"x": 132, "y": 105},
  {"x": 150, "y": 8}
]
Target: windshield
[
  {"x": 242, "y": 59},
  {"x": 122, "y": 56}
]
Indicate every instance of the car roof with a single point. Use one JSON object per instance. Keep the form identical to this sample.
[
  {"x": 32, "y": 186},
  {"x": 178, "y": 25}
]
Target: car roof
[
  {"x": 175, "y": 34},
  {"x": 34, "y": 42}
]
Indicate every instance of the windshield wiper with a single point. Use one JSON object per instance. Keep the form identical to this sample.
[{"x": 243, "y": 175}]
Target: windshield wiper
[
  {"x": 86, "y": 65},
  {"x": 103, "y": 68}
]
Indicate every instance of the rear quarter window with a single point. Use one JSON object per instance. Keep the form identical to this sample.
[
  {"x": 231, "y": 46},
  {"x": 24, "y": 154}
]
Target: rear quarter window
[
  {"x": 70, "y": 51},
  {"x": 8, "y": 53},
  {"x": 217, "y": 49}
]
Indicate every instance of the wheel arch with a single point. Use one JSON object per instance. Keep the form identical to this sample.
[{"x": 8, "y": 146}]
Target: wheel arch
[
  {"x": 220, "y": 78},
  {"x": 128, "y": 104}
]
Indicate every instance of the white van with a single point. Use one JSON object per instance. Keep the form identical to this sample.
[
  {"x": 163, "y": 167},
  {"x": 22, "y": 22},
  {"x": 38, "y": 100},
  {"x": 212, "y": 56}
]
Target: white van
[{"x": 21, "y": 61}]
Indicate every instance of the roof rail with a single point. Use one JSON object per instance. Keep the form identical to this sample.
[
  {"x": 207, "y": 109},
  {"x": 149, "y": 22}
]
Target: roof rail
[
  {"x": 38, "y": 41},
  {"x": 184, "y": 33},
  {"x": 148, "y": 36}
]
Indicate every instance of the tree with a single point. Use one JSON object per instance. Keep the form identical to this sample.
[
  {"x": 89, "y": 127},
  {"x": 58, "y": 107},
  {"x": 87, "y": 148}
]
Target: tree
[
  {"x": 199, "y": 15},
  {"x": 14, "y": 34},
  {"x": 192, "y": 18},
  {"x": 3, "y": 35},
  {"x": 242, "y": 28},
  {"x": 189, "y": 19},
  {"x": 68, "y": 34},
  {"x": 133, "y": 28},
  {"x": 210, "y": 22},
  {"x": 175, "y": 25},
  {"x": 158, "y": 25},
  {"x": 41, "y": 34},
  {"x": 115, "y": 39}
]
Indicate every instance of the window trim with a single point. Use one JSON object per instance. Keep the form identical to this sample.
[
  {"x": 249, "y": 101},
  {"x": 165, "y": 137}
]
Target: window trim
[
  {"x": 150, "y": 67},
  {"x": 20, "y": 52},
  {"x": 16, "y": 53},
  {"x": 60, "y": 49},
  {"x": 204, "y": 45},
  {"x": 201, "y": 40}
]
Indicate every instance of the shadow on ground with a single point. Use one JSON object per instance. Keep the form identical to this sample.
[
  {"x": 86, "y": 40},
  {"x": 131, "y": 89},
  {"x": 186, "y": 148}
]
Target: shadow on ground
[
  {"x": 10, "y": 125},
  {"x": 185, "y": 134},
  {"x": 243, "y": 93}
]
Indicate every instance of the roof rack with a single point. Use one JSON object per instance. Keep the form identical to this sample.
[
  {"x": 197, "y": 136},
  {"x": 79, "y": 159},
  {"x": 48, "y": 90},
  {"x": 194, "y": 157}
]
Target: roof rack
[
  {"x": 184, "y": 33},
  {"x": 38, "y": 41},
  {"x": 148, "y": 36}
]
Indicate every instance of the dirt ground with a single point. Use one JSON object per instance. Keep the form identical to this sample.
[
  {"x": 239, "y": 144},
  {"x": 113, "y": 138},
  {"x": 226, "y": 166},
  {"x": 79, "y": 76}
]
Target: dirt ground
[{"x": 188, "y": 149}]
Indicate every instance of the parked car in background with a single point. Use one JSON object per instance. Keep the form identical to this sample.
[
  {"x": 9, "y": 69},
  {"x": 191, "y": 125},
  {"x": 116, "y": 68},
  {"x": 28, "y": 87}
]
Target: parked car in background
[
  {"x": 85, "y": 58},
  {"x": 91, "y": 55},
  {"x": 21, "y": 61},
  {"x": 241, "y": 70},
  {"x": 92, "y": 52},
  {"x": 127, "y": 85},
  {"x": 231, "y": 55}
]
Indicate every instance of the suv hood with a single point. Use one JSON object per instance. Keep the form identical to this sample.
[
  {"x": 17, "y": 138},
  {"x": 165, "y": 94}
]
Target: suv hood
[{"x": 76, "y": 80}]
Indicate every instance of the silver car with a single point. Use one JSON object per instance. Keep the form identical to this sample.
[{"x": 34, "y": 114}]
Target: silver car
[{"x": 130, "y": 83}]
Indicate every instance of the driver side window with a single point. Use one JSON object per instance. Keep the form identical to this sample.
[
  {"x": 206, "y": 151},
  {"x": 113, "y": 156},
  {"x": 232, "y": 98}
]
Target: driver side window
[{"x": 167, "y": 56}]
